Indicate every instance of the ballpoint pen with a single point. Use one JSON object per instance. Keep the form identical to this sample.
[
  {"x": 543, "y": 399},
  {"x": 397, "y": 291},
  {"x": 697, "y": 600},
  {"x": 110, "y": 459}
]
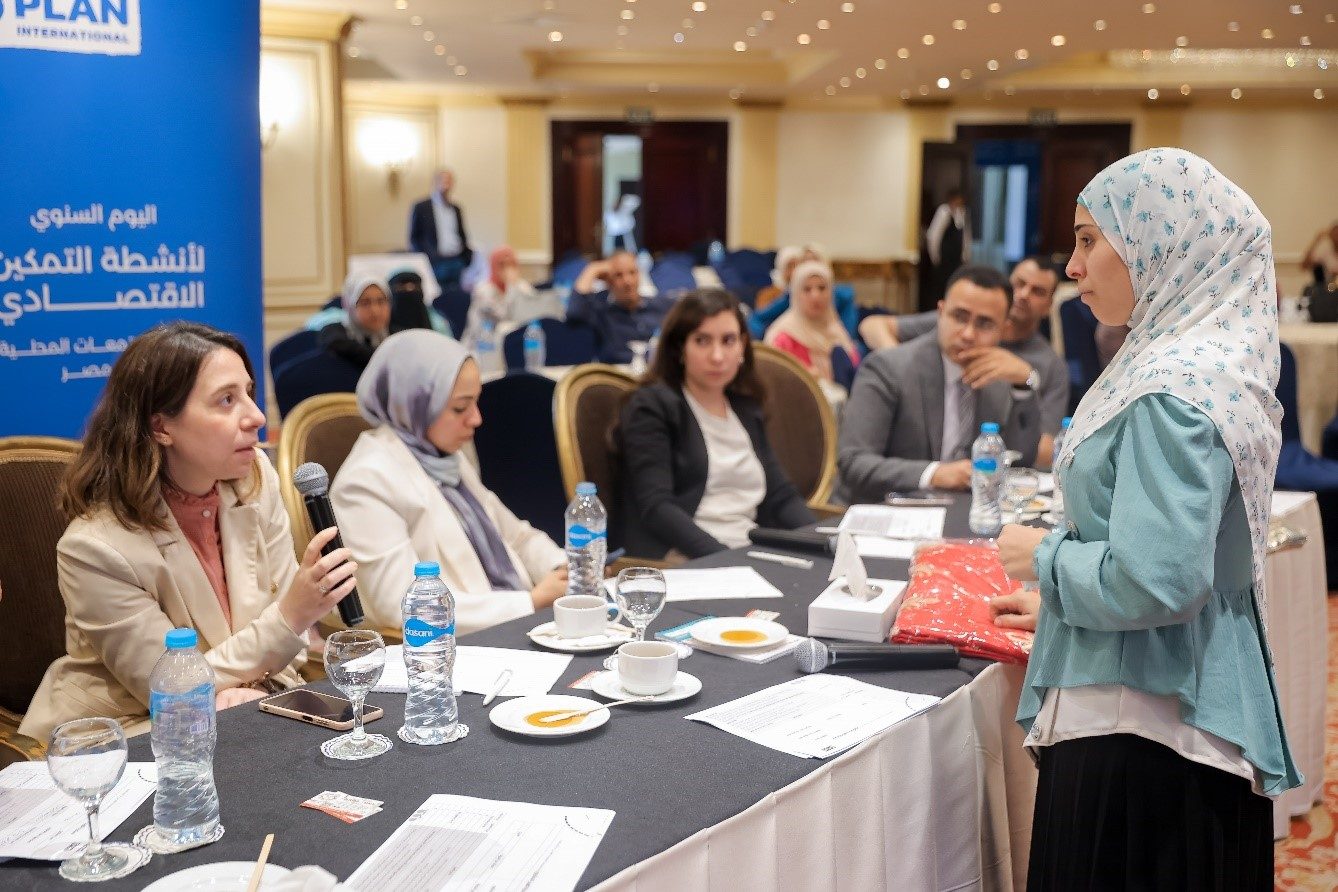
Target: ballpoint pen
[{"x": 502, "y": 678}]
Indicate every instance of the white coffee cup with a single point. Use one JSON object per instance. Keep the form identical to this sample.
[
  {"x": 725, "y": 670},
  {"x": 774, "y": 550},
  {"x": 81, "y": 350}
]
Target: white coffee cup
[
  {"x": 579, "y": 616},
  {"x": 647, "y": 667}
]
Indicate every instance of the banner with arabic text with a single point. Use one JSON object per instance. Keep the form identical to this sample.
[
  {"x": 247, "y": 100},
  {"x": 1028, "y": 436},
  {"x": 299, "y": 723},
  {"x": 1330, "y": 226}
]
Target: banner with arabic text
[{"x": 131, "y": 193}]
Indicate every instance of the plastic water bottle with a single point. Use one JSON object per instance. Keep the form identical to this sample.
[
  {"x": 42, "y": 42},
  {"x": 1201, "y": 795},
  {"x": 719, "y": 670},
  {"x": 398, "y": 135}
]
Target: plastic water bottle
[
  {"x": 536, "y": 347},
  {"x": 430, "y": 712},
  {"x": 987, "y": 463},
  {"x": 1057, "y": 497},
  {"x": 587, "y": 542},
  {"x": 715, "y": 254},
  {"x": 485, "y": 349},
  {"x": 181, "y": 706}
]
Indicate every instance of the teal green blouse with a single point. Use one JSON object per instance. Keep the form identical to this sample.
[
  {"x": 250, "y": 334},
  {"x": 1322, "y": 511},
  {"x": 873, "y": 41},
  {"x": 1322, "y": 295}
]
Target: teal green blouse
[{"x": 1149, "y": 583}]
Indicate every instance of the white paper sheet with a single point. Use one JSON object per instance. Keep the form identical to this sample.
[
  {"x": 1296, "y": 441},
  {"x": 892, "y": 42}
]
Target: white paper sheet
[
  {"x": 714, "y": 584},
  {"x": 894, "y": 522},
  {"x": 815, "y": 716},
  {"x": 477, "y": 668},
  {"x": 878, "y": 547},
  {"x": 459, "y": 842},
  {"x": 1047, "y": 481},
  {"x": 39, "y": 821}
]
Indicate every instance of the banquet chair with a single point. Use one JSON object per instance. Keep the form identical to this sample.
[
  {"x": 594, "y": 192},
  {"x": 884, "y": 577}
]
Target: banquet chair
[
  {"x": 517, "y": 449},
  {"x": 286, "y": 349},
  {"x": 16, "y": 747},
  {"x": 800, "y": 426},
  {"x": 563, "y": 344},
  {"x": 453, "y": 303},
  {"x": 1300, "y": 470},
  {"x": 1079, "y": 330},
  {"x": 588, "y": 402},
  {"x": 1329, "y": 440},
  {"x": 32, "y": 612},
  {"x": 311, "y": 375}
]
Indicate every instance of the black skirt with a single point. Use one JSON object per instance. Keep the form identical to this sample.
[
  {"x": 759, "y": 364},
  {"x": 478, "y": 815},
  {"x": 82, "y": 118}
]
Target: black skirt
[{"x": 1119, "y": 811}]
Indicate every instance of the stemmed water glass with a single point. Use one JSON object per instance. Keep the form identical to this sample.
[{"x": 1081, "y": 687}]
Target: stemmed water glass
[
  {"x": 1020, "y": 487},
  {"x": 640, "y": 593},
  {"x": 354, "y": 661},
  {"x": 86, "y": 759}
]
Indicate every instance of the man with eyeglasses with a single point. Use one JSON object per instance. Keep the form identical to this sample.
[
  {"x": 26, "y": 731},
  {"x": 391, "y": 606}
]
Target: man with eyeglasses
[{"x": 913, "y": 412}]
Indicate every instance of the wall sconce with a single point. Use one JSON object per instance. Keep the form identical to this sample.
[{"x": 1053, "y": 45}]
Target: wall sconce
[
  {"x": 280, "y": 100},
  {"x": 389, "y": 144}
]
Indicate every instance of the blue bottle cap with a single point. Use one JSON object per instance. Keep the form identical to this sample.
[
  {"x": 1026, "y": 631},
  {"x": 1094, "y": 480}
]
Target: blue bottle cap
[
  {"x": 426, "y": 568},
  {"x": 585, "y": 488},
  {"x": 180, "y": 639},
  {"x": 1064, "y": 425},
  {"x": 989, "y": 427}
]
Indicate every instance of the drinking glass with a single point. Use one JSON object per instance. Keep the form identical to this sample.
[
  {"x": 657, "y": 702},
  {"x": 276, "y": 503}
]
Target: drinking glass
[
  {"x": 640, "y": 593},
  {"x": 86, "y": 759},
  {"x": 354, "y": 661},
  {"x": 1020, "y": 487}
]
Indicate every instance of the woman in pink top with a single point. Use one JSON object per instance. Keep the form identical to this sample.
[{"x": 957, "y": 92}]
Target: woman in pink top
[
  {"x": 178, "y": 522},
  {"x": 810, "y": 330}
]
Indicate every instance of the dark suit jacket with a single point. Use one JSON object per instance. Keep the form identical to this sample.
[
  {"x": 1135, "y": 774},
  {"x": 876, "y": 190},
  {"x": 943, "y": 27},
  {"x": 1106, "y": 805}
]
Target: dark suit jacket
[
  {"x": 664, "y": 465},
  {"x": 423, "y": 233},
  {"x": 892, "y": 425}
]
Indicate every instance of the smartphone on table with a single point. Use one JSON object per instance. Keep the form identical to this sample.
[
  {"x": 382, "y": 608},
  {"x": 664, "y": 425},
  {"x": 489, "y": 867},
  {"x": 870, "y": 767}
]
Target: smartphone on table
[{"x": 316, "y": 708}]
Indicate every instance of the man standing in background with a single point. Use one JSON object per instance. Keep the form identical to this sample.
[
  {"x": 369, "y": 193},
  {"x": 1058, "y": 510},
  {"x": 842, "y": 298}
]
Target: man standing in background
[
  {"x": 437, "y": 229},
  {"x": 948, "y": 241}
]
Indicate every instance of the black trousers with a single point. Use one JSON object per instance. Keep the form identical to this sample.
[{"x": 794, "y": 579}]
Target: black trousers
[{"x": 1122, "y": 812}]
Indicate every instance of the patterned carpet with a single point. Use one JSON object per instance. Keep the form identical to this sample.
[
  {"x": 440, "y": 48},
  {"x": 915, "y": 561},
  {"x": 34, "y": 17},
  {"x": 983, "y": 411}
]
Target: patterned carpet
[{"x": 1307, "y": 861}]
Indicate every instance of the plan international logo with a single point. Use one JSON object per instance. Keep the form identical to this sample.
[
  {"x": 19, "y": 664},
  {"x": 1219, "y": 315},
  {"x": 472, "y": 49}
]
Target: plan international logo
[{"x": 105, "y": 27}]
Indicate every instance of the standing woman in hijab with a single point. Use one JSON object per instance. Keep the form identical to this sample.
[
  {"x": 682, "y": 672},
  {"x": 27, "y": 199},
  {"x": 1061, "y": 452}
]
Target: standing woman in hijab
[
  {"x": 1149, "y": 696},
  {"x": 810, "y": 329},
  {"x": 405, "y": 494},
  {"x": 366, "y": 300}
]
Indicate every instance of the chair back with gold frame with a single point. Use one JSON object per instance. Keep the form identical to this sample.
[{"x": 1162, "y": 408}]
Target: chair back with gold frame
[
  {"x": 586, "y": 407},
  {"x": 322, "y": 429},
  {"x": 32, "y": 612},
  {"x": 800, "y": 423}
]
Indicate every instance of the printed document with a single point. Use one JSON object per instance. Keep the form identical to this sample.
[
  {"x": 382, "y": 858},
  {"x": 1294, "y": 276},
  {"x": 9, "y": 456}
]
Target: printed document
[{"x": 38, "y": 821}]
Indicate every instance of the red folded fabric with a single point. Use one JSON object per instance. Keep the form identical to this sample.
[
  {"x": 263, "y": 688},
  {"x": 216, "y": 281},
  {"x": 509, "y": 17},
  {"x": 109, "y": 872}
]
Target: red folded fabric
[{"x": 948, "y": 602}]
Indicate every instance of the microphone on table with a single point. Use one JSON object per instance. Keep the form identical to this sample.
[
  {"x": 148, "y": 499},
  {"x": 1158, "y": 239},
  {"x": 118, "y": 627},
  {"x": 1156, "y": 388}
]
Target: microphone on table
[
  {"x": 314, "y": 485},
  {"x": 813, "y": 655},
  {"x": 796, "y": 540}
]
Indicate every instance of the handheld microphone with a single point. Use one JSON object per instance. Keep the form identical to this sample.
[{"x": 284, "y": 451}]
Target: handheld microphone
[
  {"x": 812, "y": 655},
  {"x": 314, "y": 485},
  {"x": 797, "y": 540}
]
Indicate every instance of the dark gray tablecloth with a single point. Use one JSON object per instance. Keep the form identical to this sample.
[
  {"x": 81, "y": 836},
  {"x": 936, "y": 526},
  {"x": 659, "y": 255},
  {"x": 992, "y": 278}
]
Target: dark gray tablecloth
[{"x": 666, "y": 778}]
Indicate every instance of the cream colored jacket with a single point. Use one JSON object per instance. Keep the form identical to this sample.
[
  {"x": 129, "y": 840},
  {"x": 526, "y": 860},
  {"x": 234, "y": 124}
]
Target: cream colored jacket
[
  {"x": 125, "y": 589},
  {"x": 391, "y": 515}
]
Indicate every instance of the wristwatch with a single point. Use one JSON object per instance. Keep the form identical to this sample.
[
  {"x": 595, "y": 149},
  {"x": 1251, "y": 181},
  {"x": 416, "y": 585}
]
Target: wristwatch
[{"x": 1033, "y": 381}]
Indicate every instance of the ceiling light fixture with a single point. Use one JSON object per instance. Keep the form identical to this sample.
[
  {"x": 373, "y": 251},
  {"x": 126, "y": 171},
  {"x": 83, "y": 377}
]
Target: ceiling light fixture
[
  {"x": 1182, "y": 41},
  {"x": 1266, "y": 34},
  {"x": 1233, "y": 26},
  {"x": 1295, "y": 9},
  {"x": 1149, "y": 8},
  {"x": 831, "y": 90},
  {"x": 439, "y": 50},
  {"x": 461, "y": 71},
  {"x": 740, "y": 46},
  {"x": 1305, "y": 41},
  {"x": 1184, "y": 89},
  {"x": 959, "y": 25},
  {"x": 653, "y": 88},
  {"x": 1319, "y": 93},
  {"x": 927, "y": 40},
  {"x": 429, "y": 36},
  {"x": 1153, "y": 94},
  {"x": 1099, "y": 25},
  {"x": 905, "y": 94},
  {"x": 944, "y": 83},
  {"x": 1021, "y": 55},
  {"x": 966, "y": 74},
  {"x": 401, "y": 4},
  {"x": 554, "y": 36},
  {"x": 992, "y": 65},
  {"x": 1010, "y": 91},
  {"x": 880, "y": 64},
  {"x": 995, "y": 7},
  {"x": 924, "y": 91},
  {"x": 416, "y": 20},
  {"x": 903, "y": 53},
  {"x": 1236, "y": 93},
  {"x": 861, "y": 73},
  {"x": 804, "y": 39},
  {"x": 699, "y": 6},
  {"x": 768, "y": 16},
  {"x": 750, "y": 32},
  {"x": 847, "y": 7},
  {"x": 735, "y": 93},
  {"x": 678, "y": 37},
  {"x": 1058, "y": 40},
  {"x": 823, "y": 24},
  {"x": 845, "y": 82}
]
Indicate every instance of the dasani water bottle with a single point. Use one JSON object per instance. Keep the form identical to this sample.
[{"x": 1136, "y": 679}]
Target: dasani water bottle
[
  {"x": 181, "y": 709},
  {"x": 1057, "y": 497},
  {"x": 987, "y": 466},
  {"x": 430, "y": 712},
  {"x": 536, "y": 347},
  {"x": 587, "y": 542}
]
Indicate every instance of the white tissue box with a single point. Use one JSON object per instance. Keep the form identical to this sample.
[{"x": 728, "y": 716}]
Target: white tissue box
[{"x": 835, "y": 614}]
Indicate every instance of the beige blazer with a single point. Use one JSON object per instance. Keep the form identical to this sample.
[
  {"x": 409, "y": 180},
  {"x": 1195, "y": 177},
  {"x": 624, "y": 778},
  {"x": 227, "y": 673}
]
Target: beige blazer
[
  {"x": 392, "y": 515},
  {"x": 125, "y": 589}
]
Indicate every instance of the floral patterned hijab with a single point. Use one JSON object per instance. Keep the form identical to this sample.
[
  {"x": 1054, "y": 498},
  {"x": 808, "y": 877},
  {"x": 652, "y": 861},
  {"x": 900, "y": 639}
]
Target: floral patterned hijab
[{"x": 1204, "y": 327}]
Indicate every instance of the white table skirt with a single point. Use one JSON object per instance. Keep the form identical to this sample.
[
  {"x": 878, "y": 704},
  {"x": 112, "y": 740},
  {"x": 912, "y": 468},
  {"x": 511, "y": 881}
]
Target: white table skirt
[
  {"x": 1298, "y": 626},
  {"x": 942, "y": 801}
]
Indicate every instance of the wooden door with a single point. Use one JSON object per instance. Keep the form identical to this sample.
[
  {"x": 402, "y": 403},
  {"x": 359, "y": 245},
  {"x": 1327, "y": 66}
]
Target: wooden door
[
  {"x": 684, "y": 184},
  {"x": 1068, "y": 166},
  {"x": 578, "y": 177},
  {"x": 944, "y": 166}
]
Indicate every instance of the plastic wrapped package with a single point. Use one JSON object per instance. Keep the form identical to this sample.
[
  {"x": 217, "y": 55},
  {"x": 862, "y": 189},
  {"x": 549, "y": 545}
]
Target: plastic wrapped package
[{"x": 948, "y": 601}]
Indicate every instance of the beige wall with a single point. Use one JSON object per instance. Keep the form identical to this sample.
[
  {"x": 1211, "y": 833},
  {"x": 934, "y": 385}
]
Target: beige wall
[{"x": 378, "y": 204}]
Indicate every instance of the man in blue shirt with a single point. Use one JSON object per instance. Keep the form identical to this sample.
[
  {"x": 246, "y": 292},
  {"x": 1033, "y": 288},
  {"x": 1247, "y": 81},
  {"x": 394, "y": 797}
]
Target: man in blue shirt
[{"x": 621, "y": 314}]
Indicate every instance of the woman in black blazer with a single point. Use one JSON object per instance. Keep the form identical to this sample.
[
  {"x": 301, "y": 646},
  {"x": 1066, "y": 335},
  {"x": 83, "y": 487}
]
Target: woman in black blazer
[{"x": 698, "y": 472}]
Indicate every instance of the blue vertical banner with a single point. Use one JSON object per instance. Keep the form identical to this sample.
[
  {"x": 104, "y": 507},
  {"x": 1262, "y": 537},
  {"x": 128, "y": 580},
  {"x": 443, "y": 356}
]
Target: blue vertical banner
[{"x": 130, "y": 194}]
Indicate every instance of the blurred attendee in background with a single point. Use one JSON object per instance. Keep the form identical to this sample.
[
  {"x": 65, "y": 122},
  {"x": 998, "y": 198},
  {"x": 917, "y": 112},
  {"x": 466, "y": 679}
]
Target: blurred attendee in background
[
  {"x": 494, "y": 299},
  {"x": 437, "y": 229},
  {"x": 366, "y": 301},
  {"x": 811, "y": 329},
  {"x": 620, "y": 315},
  {"x": 948, "y": 241}
]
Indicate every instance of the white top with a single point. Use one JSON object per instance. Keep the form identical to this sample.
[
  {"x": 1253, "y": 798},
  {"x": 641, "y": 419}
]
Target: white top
[
  {"x": 735, "y": 481},
  {"x": 938, "y": 227},
  {"x": 1093, "y": 710},
  {"x": 449, "y": 243}
]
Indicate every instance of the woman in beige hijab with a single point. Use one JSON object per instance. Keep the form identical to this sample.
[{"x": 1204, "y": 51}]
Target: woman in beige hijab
[{"x": 811, "y": 329}]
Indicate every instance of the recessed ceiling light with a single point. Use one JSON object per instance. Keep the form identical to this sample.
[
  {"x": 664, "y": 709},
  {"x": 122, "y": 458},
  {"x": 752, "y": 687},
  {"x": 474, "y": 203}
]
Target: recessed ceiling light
[
  {"x": 1266, "y": 34},
  {"x": 1153, "y": 94},
  {"x": 678, "y": 37},
  {"x": 627, "y": 15},
  {"x": 924, "y": 91},
  {"x": 1184, "y": 89},
  {"x": 740, "y": 46},
  {"x": 699, "y": 6},
  {"x": 903, "y": 53},
  {"x": 845, "y": 81},
  {"x": 1236, "y": 93},
  {"x": 905, "y": 94},
  {"x": 401, "y": 4},
  {"x": 1233, "y": 26},
  {"x": 823, "y": 24},
  {"x": 1146, "y": 55},
  {"x": 429, "y": 36},
  {"x": 880, "y": 64},
  {"x": 1330, "y": 18},
  {"x": 1021, "y": 55},
  {"x": 927, "y": 40},
  {"x": 944, "y": 83},
  {"x": 1182, "y": 41},
  {"x": 995, "y": 7},
  {"x": 830, "y": 91},
  {"x": 861, "y": 72},
  {"x": 1291, "y": 61},
  {"x": 1319, "y": 93},
  {"x": 804, "y": 39},
  {"x": 1305, "y": 41},
  {"x": 768, "y": 16},
  {"x": 1010, "y": 91},
  {"x": 966, "y": 74},
  {"x": 847, "y": 7},
  {"x": 959, "y": 25},
  {"x": 554, "y": 36},
  {"x": 461, "y": 70},
  {"x": 735, "y": 93},
  {"x": 1149, "y": 8},
  {"x": 1099, "y": 25},
  {"x": 992, "y": 65},
  {"x": 1058, "y": 40},
  {"x": 750, "y": 32},
  {"x": 654, "y": 88},
  {"x": 416, "y": 20},
  {"x": 1295, "y": 9},
  {"x": 439, "y": 50}
]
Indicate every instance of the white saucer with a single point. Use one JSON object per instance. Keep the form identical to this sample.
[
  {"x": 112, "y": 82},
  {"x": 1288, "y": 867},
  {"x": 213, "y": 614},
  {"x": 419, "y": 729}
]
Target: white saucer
[
  {"x": 510, "y": 716},
  {"x": 606, "y": 684},
  {"x": 709, "y": 632},
  {"x": 545, "y": 635},
  {"x": 221, "y": 876}
]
